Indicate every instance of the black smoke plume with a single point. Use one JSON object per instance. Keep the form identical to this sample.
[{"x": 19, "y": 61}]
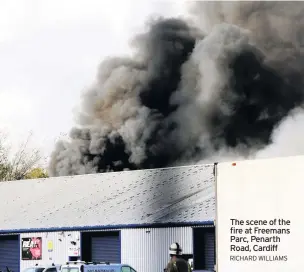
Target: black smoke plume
[{"x": 221, "y": 85}]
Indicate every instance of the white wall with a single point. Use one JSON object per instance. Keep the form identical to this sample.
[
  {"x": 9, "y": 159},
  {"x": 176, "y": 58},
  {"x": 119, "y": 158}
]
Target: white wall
[
  {"x": 147, "y": 250},
  {"x": 60, "y": 252},
  {"x": 144, "y": 249},
  {"x": 263, "y": 190}
]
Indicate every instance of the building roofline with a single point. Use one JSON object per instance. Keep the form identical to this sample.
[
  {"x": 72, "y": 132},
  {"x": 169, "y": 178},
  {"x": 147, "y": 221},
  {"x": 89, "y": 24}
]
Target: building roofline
[
  {"x": 107, "y": 227},
  {"x": 125, "y": 171}
]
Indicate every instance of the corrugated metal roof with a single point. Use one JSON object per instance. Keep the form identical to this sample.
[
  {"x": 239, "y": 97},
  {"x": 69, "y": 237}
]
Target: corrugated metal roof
[{"x": 157, "y": 196}]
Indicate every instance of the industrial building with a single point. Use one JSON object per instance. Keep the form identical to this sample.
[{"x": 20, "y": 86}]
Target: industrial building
[{"x": 127, "y": 217}]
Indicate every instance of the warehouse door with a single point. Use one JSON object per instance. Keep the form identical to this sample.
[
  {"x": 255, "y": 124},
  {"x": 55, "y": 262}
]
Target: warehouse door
[
  {"x": 101, "y": 246},
  {"x": 106, "y": 248},
  {"x": 204, "y": 248},
  {"x": 9, "y": 253}
]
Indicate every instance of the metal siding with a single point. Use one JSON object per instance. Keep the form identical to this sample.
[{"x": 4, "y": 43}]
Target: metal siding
[
  {"x": 106, "y": 249},
  {"x": 109, "y": 227},
  {"x": 9, "y": 254},
  {"x": 147, "y": 249},
  {"x": 209, "y": 250},
  {"x": 111, "y": 198},
  {"x": 100, "y": 230},
  {"x": 204, "y": 248},
  {"x": 60, "y": 248}
]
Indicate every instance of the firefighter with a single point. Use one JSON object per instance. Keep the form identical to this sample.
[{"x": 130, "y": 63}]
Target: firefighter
[{"x": 176, "y": 263}]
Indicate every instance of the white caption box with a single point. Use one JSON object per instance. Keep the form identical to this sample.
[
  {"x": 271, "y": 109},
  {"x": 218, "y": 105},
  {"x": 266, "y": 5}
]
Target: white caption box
[{"x": 268, "y": 191}]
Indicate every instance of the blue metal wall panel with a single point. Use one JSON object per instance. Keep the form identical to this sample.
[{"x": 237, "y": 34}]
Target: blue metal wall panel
[
  {"x": 106, "y": 249},
  {"x": 209, "y": 250},
  {"x": 9, "y": 254},
  {"x": 204, "y": 248}
]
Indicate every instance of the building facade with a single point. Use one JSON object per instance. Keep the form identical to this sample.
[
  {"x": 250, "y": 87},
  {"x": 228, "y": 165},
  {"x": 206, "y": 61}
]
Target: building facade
[{"x": 126, "y": 217}]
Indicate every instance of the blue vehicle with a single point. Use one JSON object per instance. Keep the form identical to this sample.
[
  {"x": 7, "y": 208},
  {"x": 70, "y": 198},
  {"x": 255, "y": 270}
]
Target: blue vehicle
[{"x": 80, "y": 266}]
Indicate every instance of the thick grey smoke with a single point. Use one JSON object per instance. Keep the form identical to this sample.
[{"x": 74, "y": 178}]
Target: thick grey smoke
[{"x": 215, "y": 90}]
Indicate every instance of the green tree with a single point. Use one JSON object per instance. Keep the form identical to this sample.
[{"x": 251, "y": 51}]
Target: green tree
[
  {"x": 18, "y": 165},
  {"x": 36, "y": 173}
]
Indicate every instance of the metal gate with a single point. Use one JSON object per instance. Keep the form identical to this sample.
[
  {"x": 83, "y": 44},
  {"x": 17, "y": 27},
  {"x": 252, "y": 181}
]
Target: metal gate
[
  {"x": 106, "y": 248},
  {"x": 9, "y": 253}
]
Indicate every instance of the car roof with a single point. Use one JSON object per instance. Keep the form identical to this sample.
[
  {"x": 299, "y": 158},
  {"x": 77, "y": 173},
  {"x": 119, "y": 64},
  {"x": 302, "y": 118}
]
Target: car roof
[
  {"x": 113, "y": 265},
  {"x": 36, "y": 266},
  {"x": 110, "y": 264},
  {"x": 42, "y": 267}
]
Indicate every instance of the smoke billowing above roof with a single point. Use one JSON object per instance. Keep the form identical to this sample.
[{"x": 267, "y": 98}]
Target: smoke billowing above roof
[{"x": 220, "y": 87}]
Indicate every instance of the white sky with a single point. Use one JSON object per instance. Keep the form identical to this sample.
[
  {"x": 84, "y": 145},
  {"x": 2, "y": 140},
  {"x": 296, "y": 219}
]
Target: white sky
[{"x": 49, "y": 53}]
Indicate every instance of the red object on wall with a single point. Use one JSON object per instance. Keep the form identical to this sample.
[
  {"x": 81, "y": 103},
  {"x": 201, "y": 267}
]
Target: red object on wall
[{"x": 32, "y": 248}]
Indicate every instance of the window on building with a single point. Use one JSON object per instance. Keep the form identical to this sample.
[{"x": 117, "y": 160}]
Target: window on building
[
  {"x": 126, "y": 269},
  {"x": 73, "y": 258}
]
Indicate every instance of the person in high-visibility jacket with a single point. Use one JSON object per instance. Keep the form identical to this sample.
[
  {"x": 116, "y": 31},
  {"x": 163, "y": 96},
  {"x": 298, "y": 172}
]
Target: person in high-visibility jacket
[{"x": 176, "y": 263}]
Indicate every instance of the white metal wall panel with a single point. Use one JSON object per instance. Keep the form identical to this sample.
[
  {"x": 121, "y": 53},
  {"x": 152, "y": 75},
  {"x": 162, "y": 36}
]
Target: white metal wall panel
[
  {"x": 147, "y": 250},
  {"x": 61, "y": 244}
]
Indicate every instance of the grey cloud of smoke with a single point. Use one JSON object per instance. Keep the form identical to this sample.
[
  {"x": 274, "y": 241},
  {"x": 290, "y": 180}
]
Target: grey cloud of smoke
[
  {"x": 277, "y": 29},
  {"x": 287, "y": 138},
  {"x": 218, "y": 90}
]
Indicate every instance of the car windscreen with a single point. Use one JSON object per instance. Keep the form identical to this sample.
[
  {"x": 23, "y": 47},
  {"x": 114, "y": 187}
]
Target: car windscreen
[
  {"x": 34, "y": 269},
  {"x": 69, "y": 269}
]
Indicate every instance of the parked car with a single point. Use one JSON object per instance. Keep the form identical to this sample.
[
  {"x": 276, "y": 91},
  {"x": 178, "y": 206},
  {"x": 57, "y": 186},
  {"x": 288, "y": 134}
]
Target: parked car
[
  {"x": 43, "y": 268},
  {"x": 80, "y": 266}
]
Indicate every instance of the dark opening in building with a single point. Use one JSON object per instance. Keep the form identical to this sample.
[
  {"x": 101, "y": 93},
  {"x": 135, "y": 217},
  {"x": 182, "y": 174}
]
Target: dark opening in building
[
  {"x": 73, "y": 258},
  {"x": 101, "y": 246},
  {"x": 204, "y": 248}
]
